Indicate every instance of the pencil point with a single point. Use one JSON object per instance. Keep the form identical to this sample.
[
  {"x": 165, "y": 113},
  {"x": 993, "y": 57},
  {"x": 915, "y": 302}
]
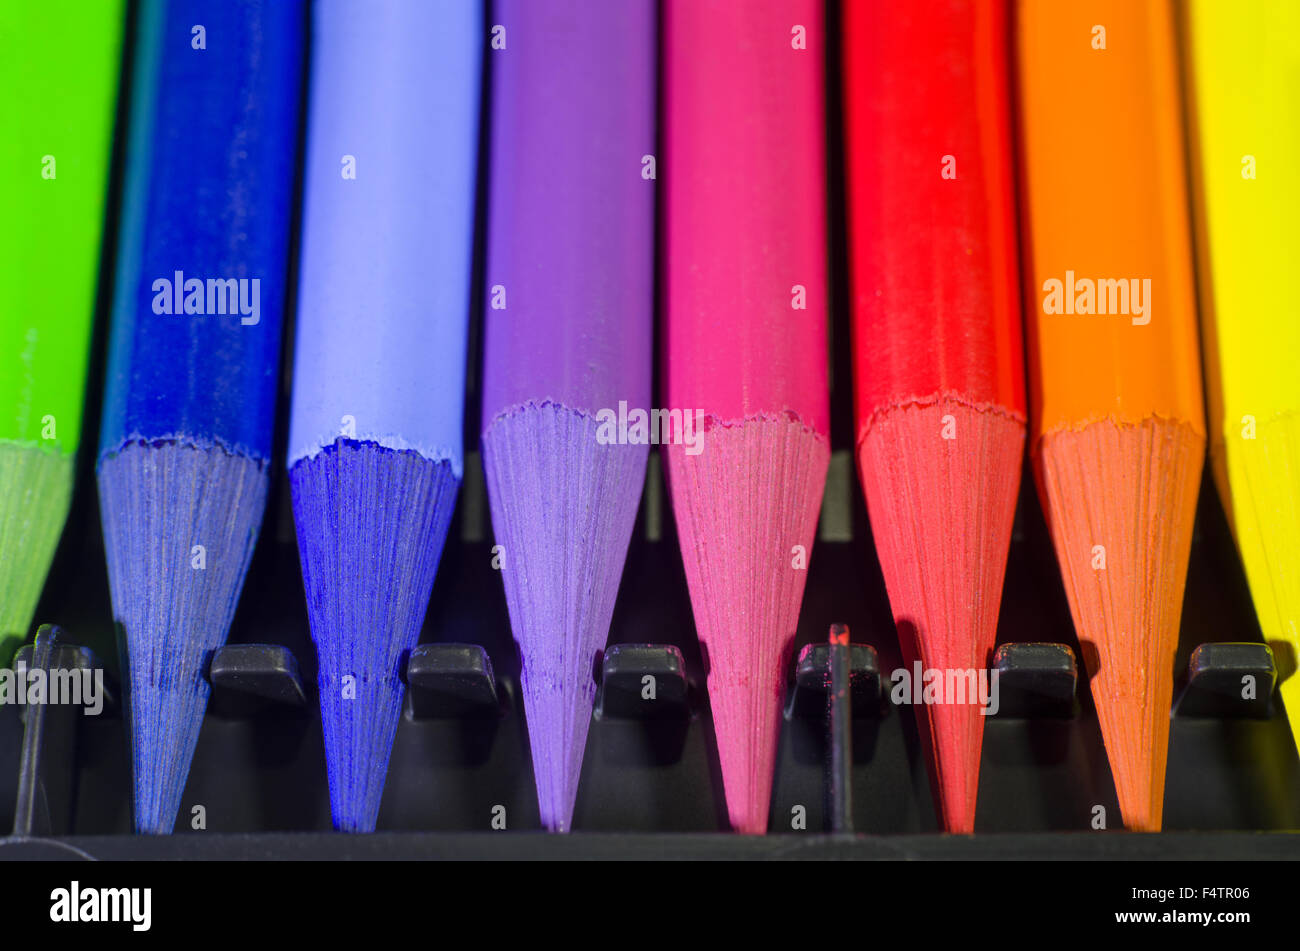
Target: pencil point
[
  {"x": 35, "y": 491},
  {"x": 941, "y": 512},
  {"x": 1132, "y": 488},
  {"x": 563, "y": 506},
  {"x": 741, "y": 506},
  {"x": 157, "y": 501},
  {"x": 1259, "y": 482},
  {"x": 371, "y": 524}
]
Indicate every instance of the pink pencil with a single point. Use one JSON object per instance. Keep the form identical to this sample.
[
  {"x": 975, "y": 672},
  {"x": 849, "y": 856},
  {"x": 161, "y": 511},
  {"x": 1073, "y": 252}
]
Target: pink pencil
[{"x": 745, "y": 296}]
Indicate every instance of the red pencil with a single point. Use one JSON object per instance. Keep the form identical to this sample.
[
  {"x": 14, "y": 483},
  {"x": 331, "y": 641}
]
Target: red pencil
[{"x": 937, "y": 340}]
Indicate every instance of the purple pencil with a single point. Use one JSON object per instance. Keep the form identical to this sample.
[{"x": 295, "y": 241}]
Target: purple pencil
[{"x": 568, "y": 339}]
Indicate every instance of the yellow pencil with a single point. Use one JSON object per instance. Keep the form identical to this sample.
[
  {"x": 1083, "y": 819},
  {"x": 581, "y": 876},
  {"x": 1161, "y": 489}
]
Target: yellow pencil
[{"x": 1245, "y": 117}]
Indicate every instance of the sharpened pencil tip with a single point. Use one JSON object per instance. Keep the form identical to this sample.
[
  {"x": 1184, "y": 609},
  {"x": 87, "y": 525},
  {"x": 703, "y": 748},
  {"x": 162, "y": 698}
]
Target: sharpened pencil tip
[
  {"x": 180, "y": 523},
  {"x": 371, "y": 524},
  {"x": 941, "y": 515},
  {"x": 746, "y": 512},
  {"x": 1133, "y": 487},
  {"x": 35, "y": 491},
  {"x": 563, "y": 505}
]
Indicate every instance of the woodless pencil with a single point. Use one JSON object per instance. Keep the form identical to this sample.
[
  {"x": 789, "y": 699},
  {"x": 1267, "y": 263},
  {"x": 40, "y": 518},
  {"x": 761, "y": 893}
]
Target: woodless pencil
[
  {"x": 567, "y": 347},
  {"x": 375, "y": 455},
  {"x": 745, "y": 346},
  {"x": 937, "y": 339},
  {"x": 1245, "y": 85},
  {"x": 59, "y": 65},
  {"x": 185, "y": 442},
  {"x": 1115, "y": 385}
]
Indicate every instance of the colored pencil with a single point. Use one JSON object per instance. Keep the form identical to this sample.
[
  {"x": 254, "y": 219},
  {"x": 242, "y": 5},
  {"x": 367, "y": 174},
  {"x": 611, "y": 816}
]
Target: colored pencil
[
  {"x": 185, "y": 442},
  {"x": 59, "y": 65},
  {"x": 375, "y": 446},
  {"x": 1245, "y": 84},
  {"x": 1115, "y": 387},
  {"x": 745, "y": 295},
  {"x": 568, "y": 341},
  {"x": 938, "y": 360}
]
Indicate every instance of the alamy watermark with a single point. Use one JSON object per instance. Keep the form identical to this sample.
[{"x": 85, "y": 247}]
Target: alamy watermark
[
  {"x": 82, "y": 687},
  {"x": 639, "y": 427},
  {"x": 1101, "y": 297},
  {"x": 76, "y": 904},
  {"x": 953, "y": 685},
  {"x": 214, "y": 296}
]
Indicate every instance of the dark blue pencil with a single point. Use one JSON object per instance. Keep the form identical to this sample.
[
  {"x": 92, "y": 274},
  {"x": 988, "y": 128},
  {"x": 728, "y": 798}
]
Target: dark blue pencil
[{"x": 185, "y": 443}]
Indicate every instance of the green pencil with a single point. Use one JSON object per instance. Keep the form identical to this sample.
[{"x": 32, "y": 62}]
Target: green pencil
[{"x": 59, "y": 62}]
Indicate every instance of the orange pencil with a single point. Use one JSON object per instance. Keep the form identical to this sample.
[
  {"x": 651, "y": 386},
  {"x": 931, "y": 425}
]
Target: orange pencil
[{"x": 1118, "y": 435}]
